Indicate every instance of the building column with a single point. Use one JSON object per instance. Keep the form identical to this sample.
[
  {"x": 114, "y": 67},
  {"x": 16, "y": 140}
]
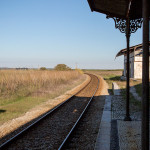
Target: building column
[
  {"x": 127, "y": 117},
  {"x": 145, "y": 77}
]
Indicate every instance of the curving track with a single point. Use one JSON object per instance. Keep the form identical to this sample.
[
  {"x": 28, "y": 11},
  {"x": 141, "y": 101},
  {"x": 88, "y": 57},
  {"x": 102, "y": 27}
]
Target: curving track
[{"x": 54, "y": 129}]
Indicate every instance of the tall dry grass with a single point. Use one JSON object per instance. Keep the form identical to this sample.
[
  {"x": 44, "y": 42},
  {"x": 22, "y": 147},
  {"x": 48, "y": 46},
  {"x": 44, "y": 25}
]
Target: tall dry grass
[{"x": 26, "y": 82}]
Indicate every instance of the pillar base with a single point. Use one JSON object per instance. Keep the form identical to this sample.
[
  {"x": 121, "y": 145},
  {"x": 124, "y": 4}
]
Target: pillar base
[{"x": 127, "y": 118}]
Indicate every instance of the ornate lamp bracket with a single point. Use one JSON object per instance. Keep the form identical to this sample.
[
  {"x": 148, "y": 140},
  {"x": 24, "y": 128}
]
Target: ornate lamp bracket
[{"x": 121, "y": 24}]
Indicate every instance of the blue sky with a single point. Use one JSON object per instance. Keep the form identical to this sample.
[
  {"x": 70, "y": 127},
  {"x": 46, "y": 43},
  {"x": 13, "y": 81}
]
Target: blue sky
[{"x": 35, "y": 33}]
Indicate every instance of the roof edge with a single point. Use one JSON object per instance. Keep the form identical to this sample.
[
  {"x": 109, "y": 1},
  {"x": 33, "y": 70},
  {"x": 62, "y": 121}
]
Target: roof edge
[
  {"x": 91, "y": 4},
  {"x": 123, "y": 51}
]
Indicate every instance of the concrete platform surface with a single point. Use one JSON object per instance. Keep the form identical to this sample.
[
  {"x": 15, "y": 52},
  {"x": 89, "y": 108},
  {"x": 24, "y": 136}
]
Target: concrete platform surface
[
  {"x": 114, "y": 132},
  {"x": 103, "y": 138}
]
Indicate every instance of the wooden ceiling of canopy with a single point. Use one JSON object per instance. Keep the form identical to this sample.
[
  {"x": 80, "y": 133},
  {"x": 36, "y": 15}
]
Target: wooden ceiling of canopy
[{"x": 118, "y": 8}]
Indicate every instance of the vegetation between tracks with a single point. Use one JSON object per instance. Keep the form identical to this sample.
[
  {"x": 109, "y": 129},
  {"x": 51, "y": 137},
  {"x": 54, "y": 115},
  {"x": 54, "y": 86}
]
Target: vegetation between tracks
[{"x": 20, "y": 90}]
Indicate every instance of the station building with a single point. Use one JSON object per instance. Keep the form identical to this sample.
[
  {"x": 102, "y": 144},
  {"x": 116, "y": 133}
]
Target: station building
[{"x": 135, "y": 60}]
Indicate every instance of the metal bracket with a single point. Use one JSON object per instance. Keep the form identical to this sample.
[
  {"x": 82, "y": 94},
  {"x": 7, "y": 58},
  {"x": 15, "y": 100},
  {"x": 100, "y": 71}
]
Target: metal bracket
[{"x": 121, "y": 24}]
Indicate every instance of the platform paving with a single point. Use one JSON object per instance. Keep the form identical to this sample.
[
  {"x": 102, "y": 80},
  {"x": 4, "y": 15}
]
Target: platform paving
[
  {"x": 129, "y": 135},
  {"x": 103, "y": 138},
  {"x": 114, "y": 132},
  {"x": 135, "y": 94}
]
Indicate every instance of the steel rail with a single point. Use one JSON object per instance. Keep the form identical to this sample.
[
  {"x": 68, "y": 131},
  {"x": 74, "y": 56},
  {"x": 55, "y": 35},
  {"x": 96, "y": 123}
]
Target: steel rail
[
  {"x": 21, "y": 133},
  {"x": 77, "y": 122}
]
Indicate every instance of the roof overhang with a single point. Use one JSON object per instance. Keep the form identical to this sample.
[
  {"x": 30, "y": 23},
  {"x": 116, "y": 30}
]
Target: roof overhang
[
  {"x": 132, "y": 48},
  {"x": 118, "y": 8}
]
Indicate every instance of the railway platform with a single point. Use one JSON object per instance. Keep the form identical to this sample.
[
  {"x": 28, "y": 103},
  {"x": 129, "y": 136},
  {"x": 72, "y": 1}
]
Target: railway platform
[{"x": 114, "y": 132}]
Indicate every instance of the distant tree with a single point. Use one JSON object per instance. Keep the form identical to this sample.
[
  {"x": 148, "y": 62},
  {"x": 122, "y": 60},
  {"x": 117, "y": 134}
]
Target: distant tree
[
  {"x": 62, "y": 67},
  {"x": 42, "y": 68}
]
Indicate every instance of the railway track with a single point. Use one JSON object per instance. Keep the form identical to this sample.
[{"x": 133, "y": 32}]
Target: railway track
[{"x": 55, "y": 128}]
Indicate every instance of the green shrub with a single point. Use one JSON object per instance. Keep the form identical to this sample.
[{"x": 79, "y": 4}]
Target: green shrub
[
  {"x": 62, "y": 67},
  {"x": 42, "y": 68}
]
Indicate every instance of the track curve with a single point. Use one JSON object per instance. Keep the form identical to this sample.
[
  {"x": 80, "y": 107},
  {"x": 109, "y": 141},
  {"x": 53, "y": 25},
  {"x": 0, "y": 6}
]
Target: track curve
[{"x": 50, "y": 131}]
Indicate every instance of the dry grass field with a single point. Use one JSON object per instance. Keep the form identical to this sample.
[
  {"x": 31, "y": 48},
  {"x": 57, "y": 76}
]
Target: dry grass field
[
  {"x": 18, "y": 83},
  {"x": 21, "y": 90}
]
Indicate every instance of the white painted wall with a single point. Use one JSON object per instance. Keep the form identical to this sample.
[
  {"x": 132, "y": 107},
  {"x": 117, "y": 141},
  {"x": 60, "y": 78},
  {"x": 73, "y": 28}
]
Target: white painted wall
[
  {"x": 138, "y": 58},
  {"x": 135, "y": 65},
  {"x": 138, "y": 70}
]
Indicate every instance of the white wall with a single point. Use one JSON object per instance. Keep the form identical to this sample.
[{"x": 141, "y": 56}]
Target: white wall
[
  {"x": 135, "y": 65},
  {"x": 138, "y": 70}
]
